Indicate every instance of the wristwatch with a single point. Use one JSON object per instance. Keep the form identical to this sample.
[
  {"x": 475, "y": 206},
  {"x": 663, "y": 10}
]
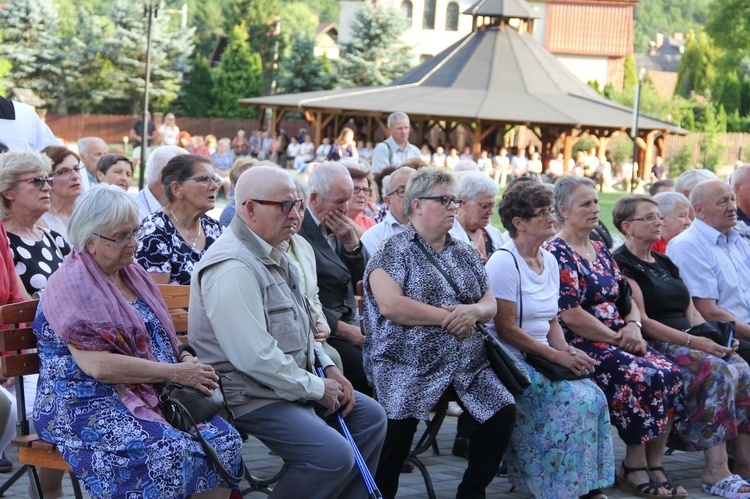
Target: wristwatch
[{"x": 637, "y": 323}]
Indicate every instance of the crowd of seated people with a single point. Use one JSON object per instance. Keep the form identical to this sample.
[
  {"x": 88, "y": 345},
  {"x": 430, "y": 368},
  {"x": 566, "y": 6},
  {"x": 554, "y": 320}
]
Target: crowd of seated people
[{"x": 421, "y": 239}]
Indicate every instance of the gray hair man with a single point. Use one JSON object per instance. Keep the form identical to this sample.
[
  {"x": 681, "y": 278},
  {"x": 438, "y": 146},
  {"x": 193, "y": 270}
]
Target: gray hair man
[
  {"x": 741, "y": 188},
  {"x": 395, "y": 221},
  {"x": 151, "y": 198},
  {"x": 340, "y": 261},
  {"x": 714, "y": 260},
  {"x": 248, "y": 318},
  {"x": 396, "y": 149},
  {"x": 91, "y": 149}
]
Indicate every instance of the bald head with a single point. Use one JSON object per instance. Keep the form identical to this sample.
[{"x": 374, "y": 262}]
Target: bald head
[
  {"x": 741, "y": 187},
  {"x": 706, "y": 190},
  {"x": 262, "y": 182},
  {"x": 714, "y": 204}
]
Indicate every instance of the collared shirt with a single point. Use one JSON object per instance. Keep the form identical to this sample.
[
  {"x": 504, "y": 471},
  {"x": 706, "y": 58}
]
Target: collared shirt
[
  {"x": 743, "y": 224},
  {"x": 331, "y": 238},
  {"x": 375, "y": 235},
  {"x": 714, "y": 266},
  {"x": 147, "y": 202},
  {"x": 27, "y": 132},
  {"x": 387, "y": 153}
]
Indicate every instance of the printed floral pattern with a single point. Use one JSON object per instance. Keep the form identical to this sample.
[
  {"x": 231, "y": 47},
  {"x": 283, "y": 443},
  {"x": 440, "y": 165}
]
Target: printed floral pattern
[
  {"x": 113, "y": 453},
  {"x": 644, "y": 393}
]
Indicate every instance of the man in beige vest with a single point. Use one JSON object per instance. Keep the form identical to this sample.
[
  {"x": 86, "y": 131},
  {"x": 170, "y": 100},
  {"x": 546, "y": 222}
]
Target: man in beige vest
[{"x": 249, "y": 320}]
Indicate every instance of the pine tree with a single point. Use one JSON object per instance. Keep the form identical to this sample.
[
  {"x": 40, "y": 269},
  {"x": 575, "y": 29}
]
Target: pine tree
[
  {"x": 239, "y": 76},
  {"x": 32, "y": 45},
  {"x": 697, "y": 69},
  {"x": 301, "y": 71},
  {"x": 689, "y": 123},
  {"x": 745, "y": 96},
  {"x": 377, "y": 56},
  {"x": 721, "y": 120},
  {"x": 195, "y": 100},
  {"x": 731, "y": 92}
]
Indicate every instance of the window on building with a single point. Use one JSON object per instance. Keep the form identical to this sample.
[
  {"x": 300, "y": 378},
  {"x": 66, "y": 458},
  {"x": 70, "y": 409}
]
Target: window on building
[
  {"x": 407, "y": 8},
  {"x": 428, "y": 20},
  {"x": 451, "y": 17}
]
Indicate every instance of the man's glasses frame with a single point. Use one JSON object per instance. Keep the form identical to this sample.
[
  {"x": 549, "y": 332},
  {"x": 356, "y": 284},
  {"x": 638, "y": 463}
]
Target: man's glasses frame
[{"x": 286, "y": 206}]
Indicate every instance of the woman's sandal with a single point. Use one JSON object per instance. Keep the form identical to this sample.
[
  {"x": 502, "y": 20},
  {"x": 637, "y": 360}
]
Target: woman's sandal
[
  {"x": 728, "y": 487},
  {"x": 647, "y": 489},
  {"x": 668, "y": 483}
]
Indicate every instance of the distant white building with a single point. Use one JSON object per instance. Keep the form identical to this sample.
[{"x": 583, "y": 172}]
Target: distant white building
[{"x": 591, "y": 38}]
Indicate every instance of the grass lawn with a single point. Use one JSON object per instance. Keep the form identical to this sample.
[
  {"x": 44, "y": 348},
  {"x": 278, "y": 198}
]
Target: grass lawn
[{"x": 606, "y": 201}]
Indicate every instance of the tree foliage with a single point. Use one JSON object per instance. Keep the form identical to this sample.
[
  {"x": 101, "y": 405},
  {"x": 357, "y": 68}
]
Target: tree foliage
[
  {"x": 301, "y": 71},
  {"x": 697, "y": 69},
  {"x": 194, "y": 100},
  {"x": 729, "y": 25},
  {"x": 666, "y": 17},
  {"x": 377, "y": 56},
  {"x": 238, "y": 76}
]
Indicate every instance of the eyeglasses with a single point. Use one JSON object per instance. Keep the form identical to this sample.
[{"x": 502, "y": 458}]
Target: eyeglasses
[
  {"x": 543, "y": 214},
  {"x": 648, "y": 218},
  {"x": 286, "y": 206},
  {"x": 124, "y": 239},
  {"x": 206, "y": 179},
  {"x": 488, "y": 206},
  {"x": 400, "y": 192},
  {"x": 39, "y": 181},
  {"x": 365, "y": 190},
  {"x": 64, "y": 172},
  {"x": 445, "y": 200}
]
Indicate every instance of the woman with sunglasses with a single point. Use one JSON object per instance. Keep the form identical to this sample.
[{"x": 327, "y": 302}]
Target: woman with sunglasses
[
  {"x": 176, "y": 237},
  {"x": 421, "y": 337},
  {"x": 477, "y": 192},
  {"x": 26, "y": 185},
  {"x": 66, "y": 170}
]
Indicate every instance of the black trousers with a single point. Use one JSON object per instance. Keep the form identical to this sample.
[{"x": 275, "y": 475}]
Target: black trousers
[
  {"x": 486, "y": 449},
  {"x": 351, "y": 360}
]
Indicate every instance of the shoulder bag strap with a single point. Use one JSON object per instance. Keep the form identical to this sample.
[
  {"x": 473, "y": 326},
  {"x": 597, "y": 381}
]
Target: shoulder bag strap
[
  {"x": 520, "y": 290},
  {"x": 440, "y": 269}
]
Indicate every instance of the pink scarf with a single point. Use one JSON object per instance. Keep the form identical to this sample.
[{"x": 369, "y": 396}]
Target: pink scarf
[{"x": 87, "y": 311}]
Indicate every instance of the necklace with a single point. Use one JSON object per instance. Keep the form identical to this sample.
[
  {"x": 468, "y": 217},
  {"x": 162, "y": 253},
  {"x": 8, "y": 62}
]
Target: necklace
[{"x": 194, "y": 240}]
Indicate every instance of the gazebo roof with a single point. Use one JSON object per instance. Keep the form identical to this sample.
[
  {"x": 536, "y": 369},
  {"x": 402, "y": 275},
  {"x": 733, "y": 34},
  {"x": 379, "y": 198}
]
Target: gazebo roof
[
  {"x": 494, "y": 74},
  {"x": 519, "y": 9}
]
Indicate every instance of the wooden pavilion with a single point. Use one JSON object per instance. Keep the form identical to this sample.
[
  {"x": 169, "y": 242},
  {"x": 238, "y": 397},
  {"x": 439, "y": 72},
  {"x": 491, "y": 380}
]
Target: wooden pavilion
[{"x": 494, "y": 79}]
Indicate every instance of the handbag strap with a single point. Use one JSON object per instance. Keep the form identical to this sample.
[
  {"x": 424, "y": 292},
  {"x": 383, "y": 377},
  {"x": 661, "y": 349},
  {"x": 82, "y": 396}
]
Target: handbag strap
[
  {"x": 520, "y": 290},
  {"x": 207, "y": 447},
  {"x": 440, "y": 269}
]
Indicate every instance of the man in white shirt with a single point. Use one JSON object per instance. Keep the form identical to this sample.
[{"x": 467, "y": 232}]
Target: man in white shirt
[
  {"x": 396, "y": 149},
  {"x": 714, "y": 260},
  {"x": 91, "y": 150},
  {"x": 21, "y": 129},
  {"x": 249, "y": 319},
  {"x": 395, "y": 221},
  {"x": 151, "y": 198}
]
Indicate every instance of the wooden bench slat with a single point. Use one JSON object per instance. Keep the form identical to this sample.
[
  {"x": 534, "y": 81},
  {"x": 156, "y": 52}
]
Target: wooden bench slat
[
  {"x": 18, "y": 312},
  {"x": 42, "y": 458},
  {"x": 19, "y": 365},
  {"x": 13, "y": 340},
  {"x": 176, "y": 296}
]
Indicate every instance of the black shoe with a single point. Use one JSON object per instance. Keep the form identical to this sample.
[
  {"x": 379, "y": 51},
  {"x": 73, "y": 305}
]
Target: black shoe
[
  {"x": 461, "y": 447},
  {"x": 5, "y": 465},
  {"x": 502, "y": 470}
]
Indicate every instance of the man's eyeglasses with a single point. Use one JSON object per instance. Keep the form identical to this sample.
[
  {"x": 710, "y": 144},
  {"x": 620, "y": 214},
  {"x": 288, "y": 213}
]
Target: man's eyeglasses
[
  {"x": 543, "y": 214},
  {"x": 445, "y": 200},
  {"x": 40, "y": 181},
  {"x": 64, "y": 172},
  {"x": 648, "y": 218},
  {"x": 365, "y": 190},
  {"x": 286, "y": 206},
  {"x": 206, "y": 179},
  {"x": 400, "y": 192},
  {"x": 124, "y": 239}
]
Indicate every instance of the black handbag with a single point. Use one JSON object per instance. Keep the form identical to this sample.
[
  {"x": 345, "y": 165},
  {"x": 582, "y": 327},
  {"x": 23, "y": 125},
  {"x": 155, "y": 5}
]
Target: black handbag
[
  {"x": 185, "y": 407},
  {"x": 508, "y": 370},
  {"x": 624, "y": 298},
  {"x": 550, "y": 370},
  {"x": 721, "y": 332}
]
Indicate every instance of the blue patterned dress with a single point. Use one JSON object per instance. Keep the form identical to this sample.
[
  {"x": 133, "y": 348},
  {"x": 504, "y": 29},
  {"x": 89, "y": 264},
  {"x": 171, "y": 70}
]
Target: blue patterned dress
[
  {"x": 644, "y": 392},
  {"x": 111, "y": 452}
]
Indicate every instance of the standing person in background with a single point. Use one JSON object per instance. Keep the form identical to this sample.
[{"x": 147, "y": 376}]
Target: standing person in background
[
  {"x": 169, "y": 131},
  {"x": 658, "y": 171},
  {"x": 152, "y": 135},
  {"x": 91, "y": 150},
  {"x": 396, "y": 149},
  {"x": 67, "y": 172},
  {"x": 223, "y": 161}
]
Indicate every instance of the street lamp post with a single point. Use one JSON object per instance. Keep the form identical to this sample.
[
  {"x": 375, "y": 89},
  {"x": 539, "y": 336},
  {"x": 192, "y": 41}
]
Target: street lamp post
[
  {"x": 634, "y": 129},
  {"x": 150, "y": 11}
]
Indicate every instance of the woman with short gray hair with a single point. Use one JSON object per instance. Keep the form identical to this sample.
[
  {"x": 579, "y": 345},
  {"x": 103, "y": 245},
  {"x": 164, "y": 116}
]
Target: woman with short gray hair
[
  {"x": 103, "y": 359},
  {"x": 413, "y": 313},
  {"x": 473, "y": 221},
  {"x": 675, "y": 207},
  {"x": 25, "y": 185}
]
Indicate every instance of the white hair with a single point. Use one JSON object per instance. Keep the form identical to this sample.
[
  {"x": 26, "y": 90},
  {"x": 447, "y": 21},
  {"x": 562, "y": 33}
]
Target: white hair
[
  {"x": 466, "y": 165},
  {"x": 102, "y": 208},
  {"x": 394, "y": 117},
  {"x": 475, "y": 184},
  {"x": 322, "y": 177},
  {"x": 689, "y": 179},
  {"x": 158, "y": 159},
  {"x": 669, "y": 202}
]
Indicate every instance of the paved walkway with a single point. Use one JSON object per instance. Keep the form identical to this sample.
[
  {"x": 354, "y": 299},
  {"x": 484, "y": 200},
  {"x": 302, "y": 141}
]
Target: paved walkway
[{"x": 446, "y": 471}]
